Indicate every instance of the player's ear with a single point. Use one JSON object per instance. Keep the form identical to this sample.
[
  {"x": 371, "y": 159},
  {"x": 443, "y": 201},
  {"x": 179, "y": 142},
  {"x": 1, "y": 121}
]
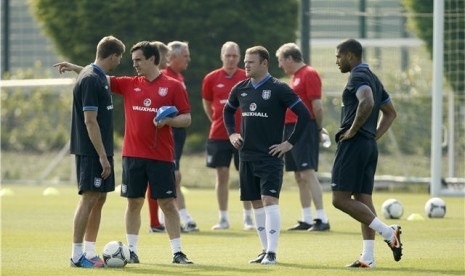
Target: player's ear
[
  {"x": 349, "y": 56},
  {"x": 265, "y": 62}
]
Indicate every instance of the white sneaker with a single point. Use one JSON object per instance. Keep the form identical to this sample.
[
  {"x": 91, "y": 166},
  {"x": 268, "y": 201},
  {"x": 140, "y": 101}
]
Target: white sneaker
[
  {"x": 248, "y": 224},
  {"x": 221, "y": 225}
]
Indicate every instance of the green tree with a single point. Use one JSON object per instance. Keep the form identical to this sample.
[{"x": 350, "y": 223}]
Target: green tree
[
  {"x": 77, "y": 26},
  {"x": 454, "y": 41}
]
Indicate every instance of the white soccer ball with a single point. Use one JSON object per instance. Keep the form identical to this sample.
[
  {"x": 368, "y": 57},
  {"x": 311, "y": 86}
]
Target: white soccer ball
[
  {"x": 392, "y": 209},
  {"x": 435, "y": 208},
  {"x": 116, "y": 254}
]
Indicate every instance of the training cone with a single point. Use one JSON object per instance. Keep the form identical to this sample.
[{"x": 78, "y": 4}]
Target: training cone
[
  {"x": 415, "y": 216},
  {"x": 51, "y": 191},
  {"x": 6, "y": 192}
]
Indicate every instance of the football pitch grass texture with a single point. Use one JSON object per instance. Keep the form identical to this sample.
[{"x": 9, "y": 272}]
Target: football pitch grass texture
[{"x": 37, "y": 234}]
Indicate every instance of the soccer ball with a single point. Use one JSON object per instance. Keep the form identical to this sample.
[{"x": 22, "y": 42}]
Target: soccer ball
[
  {"x": 116, "y": 254},
  {"x": 392, "y": 209},
  {"x": 435, "y": 208}
]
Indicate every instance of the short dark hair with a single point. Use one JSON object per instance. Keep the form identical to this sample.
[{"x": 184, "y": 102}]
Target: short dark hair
[
  {"x": 352, "y": 46},
  {"x": 148, "y": 49},
  {"x": 261, "y": 51},
  {"x": 108, "y": 46}
]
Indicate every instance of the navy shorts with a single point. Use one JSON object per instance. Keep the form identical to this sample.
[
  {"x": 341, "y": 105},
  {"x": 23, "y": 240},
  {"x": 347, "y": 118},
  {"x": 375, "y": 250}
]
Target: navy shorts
[
  {"x": 88, "y": 172},
  {"x": 304, "y": 154},
  {"x": 137, "y": 172},
  {"x": 220, "y": 153},
  {"x": 355, "y": 165},
  {"x": 257, "y": 178},
  {"x": 179, "y": 137}
]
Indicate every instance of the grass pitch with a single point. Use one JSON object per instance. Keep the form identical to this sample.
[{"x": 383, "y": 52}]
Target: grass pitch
[{"x": 37, "y": 235}]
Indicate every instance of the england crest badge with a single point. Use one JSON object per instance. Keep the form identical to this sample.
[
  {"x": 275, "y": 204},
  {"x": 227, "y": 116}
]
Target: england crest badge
[{"x": 266, "y": 94}]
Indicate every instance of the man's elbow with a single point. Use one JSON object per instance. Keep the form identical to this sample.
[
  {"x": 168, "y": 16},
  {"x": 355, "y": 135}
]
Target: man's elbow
[
  {"x": 188, "y": 120},
  {"x": 392, "y": 114},
  {"x": 90, "y": 122}
]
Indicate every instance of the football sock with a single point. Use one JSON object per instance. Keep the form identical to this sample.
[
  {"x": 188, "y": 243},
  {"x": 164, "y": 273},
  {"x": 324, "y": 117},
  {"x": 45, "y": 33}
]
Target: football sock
[
  {"x": 321, "y": 214},
  {"x": 307, "y": 215},
  {"x": 382, "y": 228},
  {"x": 132, "y": 242},
  {"x": 224, "y": 215},
  {"x": 185, "y": 217},
  {"x": 368, "y": 254},
  {"x": 273, "y": 227},
  {"x": 175, "y": 245},
  {"x": 260, "y": 220},
  {"x": 77, "y": 252},
  {"x": 247, "y": 213},
  {"x": 89, "y": 248}
]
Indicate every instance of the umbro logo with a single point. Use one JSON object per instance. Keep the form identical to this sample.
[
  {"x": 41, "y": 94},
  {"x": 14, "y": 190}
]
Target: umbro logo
[
  {"x": 273, "y": 191},
  {"x": 244, "y": 94},
  {"x": 137, "y": 89},
  {"x": 169, "y": 192}
]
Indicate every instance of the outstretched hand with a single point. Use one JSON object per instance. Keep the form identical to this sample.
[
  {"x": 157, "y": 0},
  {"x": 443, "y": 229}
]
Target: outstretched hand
[{"x": 66, "y": 66}]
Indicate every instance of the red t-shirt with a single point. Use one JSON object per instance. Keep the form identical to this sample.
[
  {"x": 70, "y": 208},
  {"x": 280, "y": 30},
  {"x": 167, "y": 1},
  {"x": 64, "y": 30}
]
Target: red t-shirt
[
  {"x": 169, "y": 72},
  {"x": 215, "y": 89},
  {"x": 141, "y": 102},
  {"x": 307, "y": 84}
]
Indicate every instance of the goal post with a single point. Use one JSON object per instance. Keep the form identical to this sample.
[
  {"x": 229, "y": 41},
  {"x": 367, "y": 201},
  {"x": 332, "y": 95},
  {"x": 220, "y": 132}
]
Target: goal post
[
  {"x": 36, "y": 82},
  {"x": 437, "y": 105},
  {"x": 428, "y": 138},
  {"x": 51, "y": 165}
]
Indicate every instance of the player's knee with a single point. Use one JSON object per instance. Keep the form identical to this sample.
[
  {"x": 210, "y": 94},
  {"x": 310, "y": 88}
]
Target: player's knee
[
  {"x": 337, "y": 203},
  {"x": 101, "y": 199},
  {"x": 167, "y": 205},
  {"x": 135, "y": 204}
]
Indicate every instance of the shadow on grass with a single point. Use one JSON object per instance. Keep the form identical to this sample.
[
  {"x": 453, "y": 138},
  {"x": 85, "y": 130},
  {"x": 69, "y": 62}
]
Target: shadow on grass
[
  {"x": 398, "y": 271},
  {"x": 234, "y": 234},
  {"x": 320, "y": 233},
  {"x": 223, "y": 233},
  {"x": 254, "y": 269},
  {"x": 167, "y": 269}
]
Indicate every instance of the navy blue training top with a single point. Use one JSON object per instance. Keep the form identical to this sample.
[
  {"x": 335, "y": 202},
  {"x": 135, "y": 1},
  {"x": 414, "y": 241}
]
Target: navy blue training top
[
  {"x": 360, "y": 76},
  {"x": 91, "y": 92}
]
